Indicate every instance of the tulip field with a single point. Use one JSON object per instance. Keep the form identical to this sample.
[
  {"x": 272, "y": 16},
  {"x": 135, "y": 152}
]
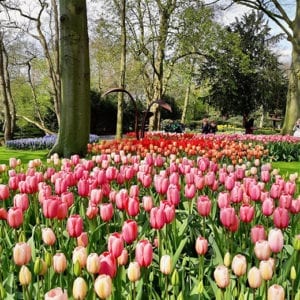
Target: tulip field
[{"x": 169, "y": 216}]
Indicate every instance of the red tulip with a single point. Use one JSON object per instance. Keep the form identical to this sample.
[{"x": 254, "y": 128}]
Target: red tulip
[
  {"x": 108, "y": 264},
  {"x": 144, "y": 253},
  {"x": 75, "y": 226}
]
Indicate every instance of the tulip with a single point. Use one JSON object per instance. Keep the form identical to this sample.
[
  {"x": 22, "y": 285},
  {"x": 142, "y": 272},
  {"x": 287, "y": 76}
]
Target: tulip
[
  {"x": 50, "y": 206},
  {"x": 106, "y": 211},
  {"x": 21, "y": 253},
  {"x": 246, "y": 213},
  {"x": 161, "y": 184},
  {"x": 103, "y": 286},
  {"x": 91, "y": 211},
  {"x": 285, "y": 201},
  {"x": 173, "y": 194},
  {"x": 201, "y": 245},
  {"x": 203, "y": 206},
  {"x": 21, "y": 201},
  {"x": 254, "y": 278},
  {"x": 221, "y": 276},
  {"x": 129, "y": 231},
  {"x": 83, "y": 188},
  {"x": 122, "y": 199},
  {"x": 56, "y": 294},
  {"x": 223, "y": 200},
  {"x": 59, "y": 262},
  {"x": 144, "y": 253},
  {"x": 276, "y": 292},
  {"x": 15, "y": 217},
  {"x": 4, "y": 192},
  {"x": 108, "y": 264},
  {"x": 296, "y": 242},
  {"x": 190, "y": 191},
  {"x": 3, "y": 213},
  {"x": 169, "y": 210},
  {"x": 147, "y": 203},
  {"x": 227, "y": 259},
  {"x": 40, "y": 267},
  {"x": 239, "y": 265},
  {"x": 266, "y": 269},
  {"x": 227, "y": 216},
  {"x": 75, "y": 226},
  {"x": 115, "y": 244},
  {"x": 83, "y": 239},
  {"x": 80, "y": 256},
  {"x": 133, "y": 206},
  {"x": 258, "y": 233},
  {"x": 236, "y": 194},
  {"x": 80, "y": 288},
  {"x": 254, "y": 191},
  {"x": 157, "y": 217},
  {"x": 25, "y": 276},
  {"x": 281, "y": 217},
  {"x": 165, "y": 264},
  {"x": 93, "y": 263},
  {"x": 268, "y": 206},
  {"x": 96, "y": 196},
  {"x": 275, "y": 239},
  {"x": 67, "y": 197},
  {"x": 123, "y": 258},
  {"x": 262, "y": 250},
  {"x": 134, "y": 271},
  {"x": 48, "y": 236}
]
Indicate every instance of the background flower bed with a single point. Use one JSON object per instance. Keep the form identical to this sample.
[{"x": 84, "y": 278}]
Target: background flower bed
[{"x": 177, "y": 177}]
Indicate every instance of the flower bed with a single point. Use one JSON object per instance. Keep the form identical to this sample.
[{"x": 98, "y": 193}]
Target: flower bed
[{"x": 160, "y": 218}]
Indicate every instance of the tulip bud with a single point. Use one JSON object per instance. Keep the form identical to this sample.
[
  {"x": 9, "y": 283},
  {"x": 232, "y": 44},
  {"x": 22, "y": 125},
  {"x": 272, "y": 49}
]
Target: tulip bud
[
  {"x": 175, "y": 278},
  {"x": 166, "y": 264},
  {"x": 227, "y": 259},
  {"x": 296, "y": 242},
  {"x": 77, "y": 268},
  {"x": 48, "y": 259},
  {"x": 293, "y": 273},
  {"x": 24, "y": 275},
  {"x": 37, "y": 266},
  {"x": 134, "y": 271},
  {"x": 79, "y": 288}
]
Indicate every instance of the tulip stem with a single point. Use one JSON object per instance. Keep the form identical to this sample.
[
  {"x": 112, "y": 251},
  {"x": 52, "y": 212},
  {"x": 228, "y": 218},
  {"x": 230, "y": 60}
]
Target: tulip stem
[{"x": 133, "y": 290}]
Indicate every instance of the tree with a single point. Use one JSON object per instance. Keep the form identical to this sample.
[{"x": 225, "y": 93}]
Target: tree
[
  {"x": 242, "y": 68},
  {"x": 291, "y": 27},
  {"x": 75, "y": 75}
]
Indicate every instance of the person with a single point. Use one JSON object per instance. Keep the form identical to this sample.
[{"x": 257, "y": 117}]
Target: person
[
  {"x": 248, "y": 124},
  {"x": 205, "y": 126},
  {"x": 213, "y": 127},
  {"x": 296, "y": 129}
]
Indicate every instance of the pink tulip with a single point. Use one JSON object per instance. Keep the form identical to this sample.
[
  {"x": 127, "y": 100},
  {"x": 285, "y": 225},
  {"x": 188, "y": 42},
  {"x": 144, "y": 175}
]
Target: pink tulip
[
  {"x": 106, "y": 211},
  {"x": 275, "y": 239},
  {"x": 92, "y": 211},
  {"x": 281, "y": 217},
  {"x": 133, "y": 206},
  {"x": 13, "y": 183},
  {"x": 203, "y": 206},
  {"x": 59, "y": 262},
  {"x": 295, "y": 206},
  {"x": 262, "y": 250},
  {"x": 147, "y": 203},
  {"x": 21, "y": 253},
  {"x": 50, "y": 206},
  {"x": 189, "y": 191},
  {"x": 290, "y": 188},
  {"x": 265, "y": 176},
  {"x": 62, "y": 211},
  {"x": 122, "y": 199},
  {"x": 223, "y": 200},
  {"x": 246, "y": 213},
  {"x": 129, "y": 231},
  {"x": 254, "y": 192},
  {"x": 144, "y": 253},
  {"x": 276, "y": 292},
  {"x": 239, "y": 265},
  {"x": 201, "y": 245},
  {"x": 268, "y": 206},
  {"x": 21, "y": 201},
  {"x": 48, "y": 236},
  {"x": 229, "y": 182},
  {"x": 60, "y": 186},
  {"x": 56, "y": 294},
  {"x": 115, "y": 244},
  {"x": 157, "y": 217},
  {"x": 75, "y": 226},
  {"x": 96, "y": 196},
  {"x": 236, "y": 194},
  {"x": 4, "y": 192},
  {"x": 199, "y": 182},
  {"x": 258, "y": 233},
  {"x": 210, "y": 178},
  {"x": 285, "y": 201},
  {"x": 227, "y": 216},
  {"x": 275, "y": 191},
  {"x": 221, "y": 276},
  {"x": 83, "y": 188},
  {"x": 83, "y": 239},
  {"x": 15, "y": 217},
  {"x": 169, "y": 210},
  {"x": 93, "y": 263},
  {"x": 67, "y": 197},
  {"x": 173, "y": 194},
  {"x": 123, "y": 258}
]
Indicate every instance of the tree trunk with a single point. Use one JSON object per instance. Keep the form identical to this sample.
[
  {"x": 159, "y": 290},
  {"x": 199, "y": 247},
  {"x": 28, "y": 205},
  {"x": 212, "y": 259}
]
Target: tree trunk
[
  {"x": 75, "y": 75},
  {"x": 119, "y": 129},
  {"x": 7, "y": 116},
  {"x": 293, "y": 97}
]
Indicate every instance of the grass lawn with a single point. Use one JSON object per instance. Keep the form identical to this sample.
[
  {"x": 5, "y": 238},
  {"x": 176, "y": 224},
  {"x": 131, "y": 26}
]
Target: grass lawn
[{"x": 24, "y": 155}]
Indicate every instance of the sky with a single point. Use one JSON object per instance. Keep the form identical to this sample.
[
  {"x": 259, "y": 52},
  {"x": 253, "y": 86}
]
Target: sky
[{"x": 284, "y": 48}]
